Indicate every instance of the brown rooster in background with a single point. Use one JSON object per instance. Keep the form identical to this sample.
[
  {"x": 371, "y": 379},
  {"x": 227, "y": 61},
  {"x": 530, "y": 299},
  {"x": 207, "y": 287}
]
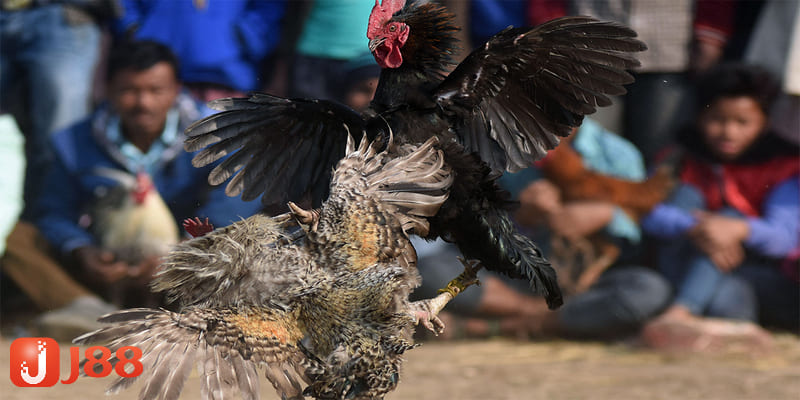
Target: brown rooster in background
[
  {"x": 499, "y": 110},
  {"x": 323, "y": 309},
  {"x": 564, "y": 167},
  {"x": 580, "y": 262}
]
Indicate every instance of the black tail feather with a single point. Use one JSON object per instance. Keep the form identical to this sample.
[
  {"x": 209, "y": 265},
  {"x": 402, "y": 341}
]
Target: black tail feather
[{"x": 492, "y": 238}]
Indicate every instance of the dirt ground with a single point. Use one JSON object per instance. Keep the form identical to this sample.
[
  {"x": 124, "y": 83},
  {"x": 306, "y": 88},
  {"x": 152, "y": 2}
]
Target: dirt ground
[{"x": 553, "y": 370}]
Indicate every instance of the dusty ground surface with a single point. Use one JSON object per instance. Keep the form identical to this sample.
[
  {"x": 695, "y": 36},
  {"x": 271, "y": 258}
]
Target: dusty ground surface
[{"x": 501, "y": 369}]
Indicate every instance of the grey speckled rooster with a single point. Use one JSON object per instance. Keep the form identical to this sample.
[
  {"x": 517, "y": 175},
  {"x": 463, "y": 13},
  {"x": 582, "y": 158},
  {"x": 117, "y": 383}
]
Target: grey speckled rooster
[{"x": 318, "y": 299}]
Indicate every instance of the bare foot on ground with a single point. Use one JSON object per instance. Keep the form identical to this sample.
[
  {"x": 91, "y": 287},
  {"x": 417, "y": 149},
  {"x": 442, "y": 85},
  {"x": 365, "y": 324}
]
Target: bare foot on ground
[{"x": 679, "y": 330}]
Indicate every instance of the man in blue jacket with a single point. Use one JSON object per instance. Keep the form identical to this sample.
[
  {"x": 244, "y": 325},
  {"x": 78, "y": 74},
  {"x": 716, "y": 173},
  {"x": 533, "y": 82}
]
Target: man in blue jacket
[
  {"x": 138, "y": 133},
  {"x": 222, "y": 44}
]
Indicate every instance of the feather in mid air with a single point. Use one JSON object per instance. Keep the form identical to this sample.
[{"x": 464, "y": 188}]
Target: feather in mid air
[
  {"x": 317, "y": 299},
  {"x": 499, "y": 110}
]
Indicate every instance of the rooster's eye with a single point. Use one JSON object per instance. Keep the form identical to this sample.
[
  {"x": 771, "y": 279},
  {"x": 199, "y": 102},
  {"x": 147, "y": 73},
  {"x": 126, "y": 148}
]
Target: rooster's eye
[{"x": 392, "y": 28}]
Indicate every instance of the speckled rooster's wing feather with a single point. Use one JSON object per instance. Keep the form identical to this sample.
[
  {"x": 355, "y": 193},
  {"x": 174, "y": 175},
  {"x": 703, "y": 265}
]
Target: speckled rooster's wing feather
[
  {"x": 228, "y": 346},
  {"x": 409, "y": 181},
  {"x": 378, "y": 198},
  {"x": 258, "y": 260},
  {"x": 281, "y": 147},
  {"x": 514, "y": 96}
]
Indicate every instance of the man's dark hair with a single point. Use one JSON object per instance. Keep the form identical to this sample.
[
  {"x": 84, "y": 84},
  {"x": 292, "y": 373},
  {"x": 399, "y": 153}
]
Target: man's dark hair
[
  {"x": 738, "y": 80},
  {"x": 139, "y": 56}
]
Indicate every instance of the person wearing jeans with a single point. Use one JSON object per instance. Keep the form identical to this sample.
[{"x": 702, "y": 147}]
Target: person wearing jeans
[
  {"x": 732, "y": 226},
  {"x": 48, "y": 54}
]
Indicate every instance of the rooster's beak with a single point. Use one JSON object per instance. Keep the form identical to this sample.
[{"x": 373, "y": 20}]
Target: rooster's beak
[{"x": 374, "y": 43}]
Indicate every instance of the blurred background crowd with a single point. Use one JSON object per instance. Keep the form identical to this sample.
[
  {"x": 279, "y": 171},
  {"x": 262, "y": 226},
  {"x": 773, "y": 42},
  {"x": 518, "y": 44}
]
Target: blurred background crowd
[{"x": 673, "y": 216}]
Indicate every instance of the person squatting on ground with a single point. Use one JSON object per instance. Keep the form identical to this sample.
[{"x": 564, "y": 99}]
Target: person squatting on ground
[{"x": 730, "y": 229}]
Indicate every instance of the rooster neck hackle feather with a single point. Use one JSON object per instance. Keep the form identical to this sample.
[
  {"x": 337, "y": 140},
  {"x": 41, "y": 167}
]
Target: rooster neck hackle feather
[{"x": 431, "y": 45}]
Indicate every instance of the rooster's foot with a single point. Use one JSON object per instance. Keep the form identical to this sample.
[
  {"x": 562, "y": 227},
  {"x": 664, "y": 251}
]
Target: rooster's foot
[
  {"x": 426, "y": 312},
  {"x": 196, "y": 227},
  {"x": 427, "y": 318}
]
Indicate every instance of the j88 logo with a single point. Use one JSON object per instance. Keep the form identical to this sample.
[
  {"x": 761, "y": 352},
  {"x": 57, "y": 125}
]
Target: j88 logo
[{"x": 35, "y": 362}]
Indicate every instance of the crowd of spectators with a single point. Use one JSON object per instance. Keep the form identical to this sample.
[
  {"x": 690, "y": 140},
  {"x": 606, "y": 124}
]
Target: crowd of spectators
[{"x": 672, "y": 216}]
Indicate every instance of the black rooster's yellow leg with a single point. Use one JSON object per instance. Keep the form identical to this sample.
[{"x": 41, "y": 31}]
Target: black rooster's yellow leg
[
  {"x": 467, "y": 278},
  {"x": 427, "y": 311}
]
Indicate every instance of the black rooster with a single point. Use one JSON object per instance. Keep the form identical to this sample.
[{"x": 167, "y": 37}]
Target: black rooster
[{"x": 499, "y": 110}]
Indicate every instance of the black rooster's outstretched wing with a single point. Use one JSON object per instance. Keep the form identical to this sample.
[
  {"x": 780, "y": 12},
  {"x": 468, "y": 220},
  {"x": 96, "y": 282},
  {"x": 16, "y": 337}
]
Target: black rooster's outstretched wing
[
  {"x": 281, "y": 147},
  {"x": 526, "y": 87}
]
